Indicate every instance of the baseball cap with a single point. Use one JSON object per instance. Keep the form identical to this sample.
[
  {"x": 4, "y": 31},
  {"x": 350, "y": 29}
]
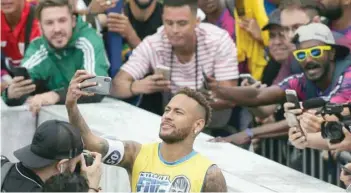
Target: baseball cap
[
  {"x": 320, "y": 32},
  {"x": 274, "y": 20},
  {"x": 53, "y": 141}
]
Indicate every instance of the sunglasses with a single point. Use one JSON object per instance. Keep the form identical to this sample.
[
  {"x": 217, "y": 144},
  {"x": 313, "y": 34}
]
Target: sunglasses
[{"x": 314, "y": 52}]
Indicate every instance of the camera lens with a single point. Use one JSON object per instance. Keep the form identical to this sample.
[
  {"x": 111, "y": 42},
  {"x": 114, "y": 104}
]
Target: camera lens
[
  {"x": 332, "y": 131},
  {"x": 107, "y": 80}
]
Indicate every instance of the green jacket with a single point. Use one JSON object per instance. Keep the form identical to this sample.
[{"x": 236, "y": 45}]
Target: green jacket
[{"x": 85, "y": 50}]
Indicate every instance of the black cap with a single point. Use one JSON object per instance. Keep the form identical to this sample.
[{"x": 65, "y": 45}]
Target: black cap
[
  {"x": 53, "y": 141},
  {"x": 274, "y": 20}
]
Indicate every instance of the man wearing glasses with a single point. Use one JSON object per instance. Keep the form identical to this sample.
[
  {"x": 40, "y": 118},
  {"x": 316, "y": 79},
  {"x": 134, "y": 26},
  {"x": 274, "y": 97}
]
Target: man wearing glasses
[{"x": 326, "y": 66}]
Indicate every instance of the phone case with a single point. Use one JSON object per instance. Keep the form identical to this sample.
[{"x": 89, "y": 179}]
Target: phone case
[
  {"x": 291, "y": 97},
  {"x": 165, "y": 72},
  {"x": 103, "y": 85}
]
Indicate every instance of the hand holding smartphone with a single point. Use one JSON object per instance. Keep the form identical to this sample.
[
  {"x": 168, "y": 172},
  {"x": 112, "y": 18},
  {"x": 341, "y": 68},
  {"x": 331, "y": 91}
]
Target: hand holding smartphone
[
  {"x": 20, "y": 71},
  {"x": 291, "y": 97},
  {"x": 165, "y": 71},
  {"x": 249, "y": 78},
  {"x": 103, "y": 85}
]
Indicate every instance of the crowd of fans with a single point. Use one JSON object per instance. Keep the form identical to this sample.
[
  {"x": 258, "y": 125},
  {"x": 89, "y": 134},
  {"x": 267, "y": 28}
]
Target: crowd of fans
[{"x": 298, "y": 47}]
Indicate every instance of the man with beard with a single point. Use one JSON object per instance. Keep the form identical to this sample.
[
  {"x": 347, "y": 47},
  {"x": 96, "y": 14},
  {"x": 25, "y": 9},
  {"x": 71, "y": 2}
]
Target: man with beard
[
  {"x": 184, "y": 49},
  {"x": 67, "y": 44},
  {"x": 157, "y": 167},
  {"x": 323, "y": 63},
  {"x": 339, "y": 14}
]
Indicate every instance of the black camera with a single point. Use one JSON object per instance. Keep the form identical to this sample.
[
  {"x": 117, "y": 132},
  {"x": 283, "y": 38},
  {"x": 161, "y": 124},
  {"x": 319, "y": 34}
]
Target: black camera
[
  {"x": 331, "y": 108},
  {"x": 333, "y": 130},
  {"x": 89, "y": 160}
]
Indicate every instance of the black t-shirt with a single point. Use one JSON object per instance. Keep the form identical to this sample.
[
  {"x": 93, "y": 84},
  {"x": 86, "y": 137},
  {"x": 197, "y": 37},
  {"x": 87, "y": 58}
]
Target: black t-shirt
[
  {"x": 22, "y": 179},
  {"x": 269, "y": 74},
  {"x": 148, "y": 27}
]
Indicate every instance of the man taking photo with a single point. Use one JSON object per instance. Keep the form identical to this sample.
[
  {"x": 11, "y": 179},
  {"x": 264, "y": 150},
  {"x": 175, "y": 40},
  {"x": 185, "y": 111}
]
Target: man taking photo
[{"x": 67, "y": 44}]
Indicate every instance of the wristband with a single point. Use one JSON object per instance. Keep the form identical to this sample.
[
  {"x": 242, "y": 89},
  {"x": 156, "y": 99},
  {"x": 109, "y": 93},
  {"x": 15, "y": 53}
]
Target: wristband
[
  {"x": 115, "y": 152},
  {"x": 249, "y": 132}
]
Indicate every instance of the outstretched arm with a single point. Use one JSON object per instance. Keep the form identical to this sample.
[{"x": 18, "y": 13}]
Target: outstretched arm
[
  {"x": 214, "y": 181},
  {"x": 127, "y": 150}
]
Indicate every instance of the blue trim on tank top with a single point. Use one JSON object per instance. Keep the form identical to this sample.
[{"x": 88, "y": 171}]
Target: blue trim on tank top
[{"x": 181, "y": 160}]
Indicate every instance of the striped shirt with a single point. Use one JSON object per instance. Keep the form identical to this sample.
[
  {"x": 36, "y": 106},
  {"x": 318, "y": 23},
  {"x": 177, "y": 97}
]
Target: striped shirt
[{"x": 216, "y": 56}]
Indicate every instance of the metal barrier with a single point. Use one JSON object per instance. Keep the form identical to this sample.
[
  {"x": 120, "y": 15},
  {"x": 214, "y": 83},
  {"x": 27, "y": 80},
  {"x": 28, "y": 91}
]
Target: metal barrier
[{"x": 308, "y": 161}]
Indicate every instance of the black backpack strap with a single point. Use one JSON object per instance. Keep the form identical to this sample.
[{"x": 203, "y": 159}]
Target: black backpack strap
[
  {"x": 230, "y": 4},
  {"x": 29, "y": 27},
  {"x": 5, "y": 168}
]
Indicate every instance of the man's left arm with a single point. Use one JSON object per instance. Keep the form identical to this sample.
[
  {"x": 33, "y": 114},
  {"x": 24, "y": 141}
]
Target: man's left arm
[
  {"x": 214, "y": 181},
  {"x": 226, "y": 69}
]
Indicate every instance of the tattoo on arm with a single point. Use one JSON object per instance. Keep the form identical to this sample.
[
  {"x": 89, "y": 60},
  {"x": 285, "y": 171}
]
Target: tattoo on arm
[
  {"x": 92, "y": 142},
  {"x": 104, "y": 146},
  {"x": 131, "y": 150},
  {"x": 214, "y": 180},
  {"x": 77, "y": 120}
]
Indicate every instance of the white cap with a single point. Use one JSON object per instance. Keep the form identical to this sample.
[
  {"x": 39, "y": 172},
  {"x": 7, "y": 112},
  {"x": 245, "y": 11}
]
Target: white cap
[
  {"x": 315, "y": 31},
  {"x": 320, "y": 32}
]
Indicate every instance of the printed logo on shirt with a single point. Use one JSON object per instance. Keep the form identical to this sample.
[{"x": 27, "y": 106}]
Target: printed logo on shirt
[{"x": 150, "y": 182}]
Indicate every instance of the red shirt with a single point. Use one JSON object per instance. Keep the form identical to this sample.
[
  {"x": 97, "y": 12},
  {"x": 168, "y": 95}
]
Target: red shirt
[{"x": 12, "y": 42}]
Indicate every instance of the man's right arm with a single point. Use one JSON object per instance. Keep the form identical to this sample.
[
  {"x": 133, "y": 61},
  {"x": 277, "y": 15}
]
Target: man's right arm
[
  {"x": 263, "y": 111},
  {"x": 98, "y": 144},
  {"x": 136, "y": 68},
  {"x": 251, "y": 97}
]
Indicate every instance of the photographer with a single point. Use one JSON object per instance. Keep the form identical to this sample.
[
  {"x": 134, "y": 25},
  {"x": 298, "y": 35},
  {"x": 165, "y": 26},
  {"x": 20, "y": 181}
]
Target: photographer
[
  {"x": 326, "y": 132},
  {"x": 56, "y": 148},
  {"x": 87, "y": 180}
]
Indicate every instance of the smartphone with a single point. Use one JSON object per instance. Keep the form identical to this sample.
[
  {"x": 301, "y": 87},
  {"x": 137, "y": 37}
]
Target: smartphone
[
  {"x": 165, "y": 71},
  {"x": 21, "y": 71},
  {"x": 346, "y": 171},
  {"x": 291, "y": 97},
  {"x": 205, "y": 80},
  {"x": 249, "y": 78},
  {"x": 103, "y": 85}
]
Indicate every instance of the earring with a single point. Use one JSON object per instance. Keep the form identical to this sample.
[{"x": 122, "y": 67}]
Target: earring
[{"x": 195, "y": 132}]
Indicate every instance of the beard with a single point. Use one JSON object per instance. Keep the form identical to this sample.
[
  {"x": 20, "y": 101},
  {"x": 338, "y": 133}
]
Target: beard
[
  {"x": 143, "y": 5},
  {"x": 176, "y": 136},
  {"x": 313, "y": 65},
  {"x": 333, "y": 13}
]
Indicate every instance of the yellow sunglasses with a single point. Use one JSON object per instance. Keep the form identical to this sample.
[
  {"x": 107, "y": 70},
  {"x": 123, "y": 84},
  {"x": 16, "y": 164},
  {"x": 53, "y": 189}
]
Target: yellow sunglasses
[{"x": 314, "y": 52}]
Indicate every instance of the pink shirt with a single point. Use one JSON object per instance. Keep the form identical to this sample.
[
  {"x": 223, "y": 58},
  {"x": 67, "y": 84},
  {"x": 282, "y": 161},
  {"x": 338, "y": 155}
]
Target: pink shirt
[{"x": 216, "y": 55}]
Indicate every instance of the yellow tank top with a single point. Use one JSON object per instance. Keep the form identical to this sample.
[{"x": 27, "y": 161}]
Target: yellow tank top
[{"x": 153, "y": 174}]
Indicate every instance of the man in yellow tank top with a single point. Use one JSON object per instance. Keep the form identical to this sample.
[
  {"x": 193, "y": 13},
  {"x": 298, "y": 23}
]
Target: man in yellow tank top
[{"x": 170, "y": 166}]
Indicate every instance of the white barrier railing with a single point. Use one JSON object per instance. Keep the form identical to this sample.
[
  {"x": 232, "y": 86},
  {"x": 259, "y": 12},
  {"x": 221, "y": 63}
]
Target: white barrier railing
[{"x": 244, "y": 171}]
